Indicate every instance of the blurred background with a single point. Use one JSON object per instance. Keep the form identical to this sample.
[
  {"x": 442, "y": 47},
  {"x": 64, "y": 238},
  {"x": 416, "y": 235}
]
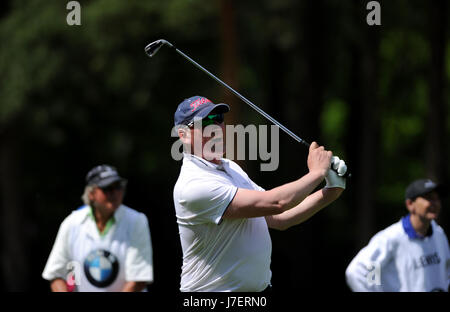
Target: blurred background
[{"x": 72, "y": 97}]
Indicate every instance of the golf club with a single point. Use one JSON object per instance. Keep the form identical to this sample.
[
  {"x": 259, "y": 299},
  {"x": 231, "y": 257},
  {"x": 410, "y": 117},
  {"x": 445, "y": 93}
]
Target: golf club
[{"x": 152, "y": 48}]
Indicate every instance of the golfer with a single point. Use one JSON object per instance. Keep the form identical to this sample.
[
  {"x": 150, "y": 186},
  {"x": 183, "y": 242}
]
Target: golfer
[{"x": 223, "y": 216}]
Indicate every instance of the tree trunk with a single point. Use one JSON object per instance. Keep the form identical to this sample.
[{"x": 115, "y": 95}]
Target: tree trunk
[
  {"x": 364, "y": 128},
  {"x": 14, "y": 258},
  {"x": 436, "y": 144},
  {"x": 301, "y": 106},
  {"x": 229, "y": 64},
  {"x": 369, "y": 118},
  {"x": 5, "y": 6}
]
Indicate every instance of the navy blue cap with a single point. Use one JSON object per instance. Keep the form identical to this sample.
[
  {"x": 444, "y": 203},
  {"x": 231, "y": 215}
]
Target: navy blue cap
[
  {"x": 199, "y": 107},
  {"x": 103, "y": 175},
  {"x": 421, "y": 187}
]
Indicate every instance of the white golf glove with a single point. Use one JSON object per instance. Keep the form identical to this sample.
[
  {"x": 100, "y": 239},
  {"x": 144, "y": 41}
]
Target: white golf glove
[{"x": 334, "y": 179}]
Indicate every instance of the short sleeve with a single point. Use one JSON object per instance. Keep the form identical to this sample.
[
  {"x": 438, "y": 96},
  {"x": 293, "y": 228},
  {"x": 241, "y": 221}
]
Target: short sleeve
[
  {"x": 257, "y": 187},
  {"x": 139, "y": 258},
  {"x": 444, "y": 241},
  {"x": 371, "y": 258},
  {"x": 205, "y": 201},
  {"x": 245, "y": 176},
  {"x": 56, "y": 266}
]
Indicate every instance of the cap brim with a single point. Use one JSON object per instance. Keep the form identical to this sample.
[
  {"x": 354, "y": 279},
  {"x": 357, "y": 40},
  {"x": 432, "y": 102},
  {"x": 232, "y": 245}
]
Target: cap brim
[
  {"x": 221, "y": 108},
  {"x": 217, "y": 108}
]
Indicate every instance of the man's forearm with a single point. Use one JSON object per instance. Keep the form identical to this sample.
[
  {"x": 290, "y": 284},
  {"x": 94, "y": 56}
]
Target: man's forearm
[
  {"x": 134, "y": 286},
  {"x": 251, "y": 203},
  {"x": 305, "y": 210},
  {"x": 58, "y": 285},
  {"x": 291, "y": 194}
]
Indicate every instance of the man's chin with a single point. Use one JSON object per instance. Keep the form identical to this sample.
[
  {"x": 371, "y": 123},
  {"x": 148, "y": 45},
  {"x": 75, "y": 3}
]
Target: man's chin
[
  {"x": 430, "y": 215},
  {"x": 213, "y": 156},
  {"x": 433, "y": 215},
  {"x": 113, "y": 206}
]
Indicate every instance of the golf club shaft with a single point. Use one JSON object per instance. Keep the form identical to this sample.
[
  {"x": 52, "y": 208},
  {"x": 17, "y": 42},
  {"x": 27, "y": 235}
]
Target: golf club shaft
[{"x": 153, "y": 47}]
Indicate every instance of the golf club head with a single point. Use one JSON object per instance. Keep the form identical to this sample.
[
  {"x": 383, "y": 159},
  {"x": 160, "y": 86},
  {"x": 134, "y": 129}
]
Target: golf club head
[{"x": 153, "y": 47}]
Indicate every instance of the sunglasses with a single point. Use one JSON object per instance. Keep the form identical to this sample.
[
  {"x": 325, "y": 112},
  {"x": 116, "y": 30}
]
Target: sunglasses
[
  {"x": 209, "y": 120},
  {"x": 114, "y": 187}
]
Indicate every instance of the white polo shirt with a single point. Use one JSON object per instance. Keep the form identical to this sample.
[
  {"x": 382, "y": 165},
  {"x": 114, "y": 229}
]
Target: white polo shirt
[
  {"x": 102, "y": 262},
  {"x": 219, "y": 254},
  {"x": 402, "y": 260}
]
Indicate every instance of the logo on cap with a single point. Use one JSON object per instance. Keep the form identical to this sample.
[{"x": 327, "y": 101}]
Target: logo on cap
[
  {"x": 194, "y": 105},
  {"x": 108, "y": 173},
  {"x": 430, "y": 184}
]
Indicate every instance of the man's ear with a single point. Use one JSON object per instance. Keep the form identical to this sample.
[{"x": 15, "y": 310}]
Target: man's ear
[
  {"x": 409, "y": 205},
  {"x": 91, "y": 195},
  {"x": 184, "y": 134}
]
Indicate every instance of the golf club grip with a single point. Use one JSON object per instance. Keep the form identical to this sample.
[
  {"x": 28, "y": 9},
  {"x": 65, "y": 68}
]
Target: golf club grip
[{"x": 347, "y": 173}]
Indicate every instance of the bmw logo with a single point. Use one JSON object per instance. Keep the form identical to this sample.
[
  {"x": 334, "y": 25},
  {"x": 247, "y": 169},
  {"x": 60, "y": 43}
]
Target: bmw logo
[{"x": 101, "y": 268}]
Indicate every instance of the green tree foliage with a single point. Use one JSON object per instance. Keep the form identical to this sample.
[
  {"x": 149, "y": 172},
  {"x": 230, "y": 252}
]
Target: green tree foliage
[{"x": 72, "y": 97}]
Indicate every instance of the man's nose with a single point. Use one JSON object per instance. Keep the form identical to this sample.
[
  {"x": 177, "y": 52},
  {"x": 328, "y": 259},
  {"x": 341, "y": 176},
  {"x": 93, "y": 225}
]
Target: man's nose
[{"x": 114, "y": 193}]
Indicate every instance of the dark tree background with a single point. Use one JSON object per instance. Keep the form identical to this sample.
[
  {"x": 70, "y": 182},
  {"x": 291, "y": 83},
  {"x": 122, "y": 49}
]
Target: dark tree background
[{"x": 72, "y": 97}]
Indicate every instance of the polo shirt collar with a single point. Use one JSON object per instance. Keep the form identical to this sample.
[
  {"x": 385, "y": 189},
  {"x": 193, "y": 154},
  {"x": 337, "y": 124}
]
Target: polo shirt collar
[
  {"x": 409, "y": 229},
  {"x": 118, "y": 214},
  {"x": 204, "y": 163}
]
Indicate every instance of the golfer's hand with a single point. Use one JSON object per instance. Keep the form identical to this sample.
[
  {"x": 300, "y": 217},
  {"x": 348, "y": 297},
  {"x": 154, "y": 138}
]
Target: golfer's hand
[
  {"x": 334, "y": 178},
  {"x": 319, "y": 159}
]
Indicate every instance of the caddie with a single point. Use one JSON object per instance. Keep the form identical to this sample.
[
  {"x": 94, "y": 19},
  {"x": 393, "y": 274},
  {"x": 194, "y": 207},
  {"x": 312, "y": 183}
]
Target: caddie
[
  {"x": 412, "y": 255},
  {"x": 103, "y": 245}
]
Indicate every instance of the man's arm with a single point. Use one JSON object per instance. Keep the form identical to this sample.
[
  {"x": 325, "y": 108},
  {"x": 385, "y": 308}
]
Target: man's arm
[
  {"x": 361, "y": 273},
  {"x": 56, "y": 267},
  {"x": 134, "y": 286},
  {"x": 251, "y": 203},
  {"x": 305, "y": 210},
  {"x": 139, "y": 257},
  {"x": 58, "y": 285}
]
